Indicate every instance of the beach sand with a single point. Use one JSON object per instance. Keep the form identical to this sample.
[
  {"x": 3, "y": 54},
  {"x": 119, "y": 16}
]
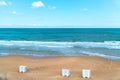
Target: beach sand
[{"x": 50, "y": 68}]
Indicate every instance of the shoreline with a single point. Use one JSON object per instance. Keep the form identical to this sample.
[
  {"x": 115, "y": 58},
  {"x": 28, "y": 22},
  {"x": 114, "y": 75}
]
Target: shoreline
[
  {"x": 45, "y": 57},
  {"x": 50, "y": 68}
]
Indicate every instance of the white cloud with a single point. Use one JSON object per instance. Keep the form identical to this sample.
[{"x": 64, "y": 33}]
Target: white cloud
[
  {"x": 14, "y": 12},
  {"x": 51, "y": 7},
  {"x": 37, "y": 4},
  {"x": 3, "y": 3},
  {"x": 85, "y": 9}
]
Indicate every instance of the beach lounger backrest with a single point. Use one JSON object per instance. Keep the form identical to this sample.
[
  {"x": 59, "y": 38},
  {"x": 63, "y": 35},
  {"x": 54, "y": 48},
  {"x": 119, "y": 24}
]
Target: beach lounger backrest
[
  {"x": 86, "y": 73},
  {"x": 65, "y": 72},
  {"x": 22, "y": 68}
]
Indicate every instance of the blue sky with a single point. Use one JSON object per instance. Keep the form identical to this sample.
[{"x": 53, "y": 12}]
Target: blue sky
[{"x": 60, "y": 13}]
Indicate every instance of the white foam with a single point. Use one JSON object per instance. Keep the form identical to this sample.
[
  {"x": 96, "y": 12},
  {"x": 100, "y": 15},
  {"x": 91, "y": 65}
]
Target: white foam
[
  {"x": 106, "y": 44},
  {"x": 4, "y": 54},
  {"x": 65, "y": 48},
  {"x": 100, "y": 55}
]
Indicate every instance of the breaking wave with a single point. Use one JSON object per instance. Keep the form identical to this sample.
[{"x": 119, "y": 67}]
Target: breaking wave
[
  {"x": 105, "y": 44},
  {"x": 110, "y": 49}
]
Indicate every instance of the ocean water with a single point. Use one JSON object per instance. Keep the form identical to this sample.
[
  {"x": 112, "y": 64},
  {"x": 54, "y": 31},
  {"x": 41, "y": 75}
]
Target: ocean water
[{"x": 50, "y": 42}]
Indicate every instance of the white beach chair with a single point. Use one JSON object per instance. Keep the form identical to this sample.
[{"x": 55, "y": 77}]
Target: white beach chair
[
  {"x": 65, "y": 72},
  {"x": 86, "y": 73},
  {"x": 22, "y": 68}
]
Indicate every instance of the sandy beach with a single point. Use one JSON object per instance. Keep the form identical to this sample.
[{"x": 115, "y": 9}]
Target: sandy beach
[{"x": 50, "y": 68}]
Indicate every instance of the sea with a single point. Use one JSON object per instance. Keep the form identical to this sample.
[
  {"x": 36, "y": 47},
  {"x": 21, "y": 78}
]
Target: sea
[{"x": 52, "y": 42}]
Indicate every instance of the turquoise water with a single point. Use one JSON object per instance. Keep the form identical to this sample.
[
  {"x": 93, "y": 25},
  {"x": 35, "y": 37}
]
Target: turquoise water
[{"x": 42, "y": 42}]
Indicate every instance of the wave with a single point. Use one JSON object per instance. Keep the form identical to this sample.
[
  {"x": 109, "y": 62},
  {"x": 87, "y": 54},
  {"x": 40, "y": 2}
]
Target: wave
[
  {"x": 4, "y": 54},
  {"x": 27, "y": 54},
  {"x": 101, "y": 55},
  {"x": 105, "y": 44},
  {"x": 49, "y": 55},
  {"x": 42, "y": 48}
]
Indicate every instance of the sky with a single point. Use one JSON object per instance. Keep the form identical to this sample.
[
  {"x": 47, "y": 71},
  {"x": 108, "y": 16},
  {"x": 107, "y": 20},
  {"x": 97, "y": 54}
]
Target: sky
[{"x": 60, "y": 13}]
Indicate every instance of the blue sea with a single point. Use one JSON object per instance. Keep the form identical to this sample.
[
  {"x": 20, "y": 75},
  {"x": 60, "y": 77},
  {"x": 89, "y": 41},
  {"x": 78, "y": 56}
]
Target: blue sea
[{"x": 51, "y": 42}]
